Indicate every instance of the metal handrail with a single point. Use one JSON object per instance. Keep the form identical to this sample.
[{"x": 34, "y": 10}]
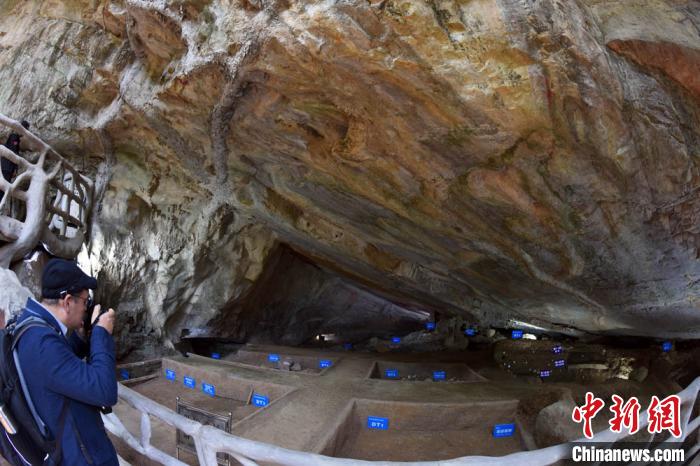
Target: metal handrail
[
  {"x": 209, "y": 440},
  {"x": 57, "y": 201}
]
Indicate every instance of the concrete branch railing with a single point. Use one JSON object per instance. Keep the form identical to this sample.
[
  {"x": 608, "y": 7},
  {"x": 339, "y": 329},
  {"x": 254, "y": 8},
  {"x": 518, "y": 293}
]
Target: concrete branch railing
[
  {"x": 209, "y": 441},
  {"x": 48, "y": 202}
]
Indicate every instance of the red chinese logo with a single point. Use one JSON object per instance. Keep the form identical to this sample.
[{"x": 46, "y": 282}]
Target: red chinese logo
[
  {"x": 587, "y": 412},
  {"x": 625, "y": 415},
  {"x": 663, "y": 414}
]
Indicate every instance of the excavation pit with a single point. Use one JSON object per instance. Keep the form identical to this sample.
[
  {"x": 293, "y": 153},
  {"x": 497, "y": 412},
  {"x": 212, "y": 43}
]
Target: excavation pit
[
  {"x": 428, "y": 372},
  {"x": 240, "y": 398},
  {"x": 283, "y": 362},
  {"x": 423, "y": 431}
]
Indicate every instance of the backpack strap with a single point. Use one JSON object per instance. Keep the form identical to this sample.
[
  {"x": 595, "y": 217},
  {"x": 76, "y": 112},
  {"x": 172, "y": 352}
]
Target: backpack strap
[
  {"x": 17, "y": 333},
  {"x": 83, "y": 448},
  {"x": 55, "y": 458}
]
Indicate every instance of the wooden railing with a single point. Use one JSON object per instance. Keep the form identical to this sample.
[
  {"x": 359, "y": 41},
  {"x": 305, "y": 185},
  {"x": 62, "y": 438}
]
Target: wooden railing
[
  {"x": 209, "y": 440},
  {"x": 48, "y": 202}
]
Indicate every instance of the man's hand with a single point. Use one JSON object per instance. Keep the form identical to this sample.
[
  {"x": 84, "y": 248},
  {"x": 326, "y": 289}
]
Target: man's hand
[
  {"x": 106, "y": 320},
  {"x": 95, "y": 314}
]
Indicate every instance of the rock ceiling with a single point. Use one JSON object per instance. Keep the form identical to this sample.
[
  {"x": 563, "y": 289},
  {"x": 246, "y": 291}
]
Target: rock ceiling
[{"x": 533, "y": 160}]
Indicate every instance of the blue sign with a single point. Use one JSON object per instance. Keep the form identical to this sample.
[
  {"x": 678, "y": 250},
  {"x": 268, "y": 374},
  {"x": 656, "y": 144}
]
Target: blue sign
[
  {"x": 381, "y": 423},
  {"x": 556, "y": 349},
  {"x": 503, "y": 430},
  {"x": 347, "y": 346},
  {"x": 323, "y": 363},
  {"x": 189, "y": 382},
  {"x": 396, "y": 340},
  {"x": 260, "y": 400},
  {"x": 516, "y": 334},
  {"x": 392, "y": 373},
  {"x": 124, "y": 374},
  {"x": 215, "y": 356},
  {"x": 666, "y": 346},
  {"x": 273, "y": 357},
  {"x": 559, "y": 363},
  {"x": 169, "y": 374},
  {"x": 430, "y": 325},
  {"x": 439, "y": 375},
  {"x": 545, "y": 373},
  {"x": 208, "y": 389},
  {"x": 470, "y": 332}
]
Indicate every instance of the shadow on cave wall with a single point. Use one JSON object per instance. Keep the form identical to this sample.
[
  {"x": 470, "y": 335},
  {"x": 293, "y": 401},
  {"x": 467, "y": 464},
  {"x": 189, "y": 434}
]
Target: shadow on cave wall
[{"x": 296, "y": 299}]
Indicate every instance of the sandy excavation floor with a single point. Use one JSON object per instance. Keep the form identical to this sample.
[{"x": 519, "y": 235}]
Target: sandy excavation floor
[{"x": 326, "y": 411}]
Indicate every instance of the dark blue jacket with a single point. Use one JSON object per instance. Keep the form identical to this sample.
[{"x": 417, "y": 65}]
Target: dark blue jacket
[{"x": 53, "y": 371}]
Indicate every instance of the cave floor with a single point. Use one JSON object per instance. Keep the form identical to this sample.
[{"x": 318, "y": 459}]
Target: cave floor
[{"x": 326, "y": 410}]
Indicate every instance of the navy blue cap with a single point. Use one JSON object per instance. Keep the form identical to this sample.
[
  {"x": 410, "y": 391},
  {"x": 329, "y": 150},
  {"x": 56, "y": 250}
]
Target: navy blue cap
[{"x": 62, "y": 276}]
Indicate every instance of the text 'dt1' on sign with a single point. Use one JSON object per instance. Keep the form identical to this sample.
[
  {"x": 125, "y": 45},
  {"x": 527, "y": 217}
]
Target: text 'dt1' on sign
[
  {"x": 215, "y": 356},
  {"x": 260, "y": 400},
  {"x": 273, "y": 357},
  {"x": 189, "y": 382},
  {"x": 544, "y": 374},
  {"x": 430, "y": 325},
  {"x": 323, "y": 363},
  {"x": 169, "y": 374},
  {"x": 439, "y": 375},
  {"x": 381, "y": 423},
  {"x": 516, "y": 334},
  {"x": 396, "y": 340},
  {"x": 503, "y": 430}
]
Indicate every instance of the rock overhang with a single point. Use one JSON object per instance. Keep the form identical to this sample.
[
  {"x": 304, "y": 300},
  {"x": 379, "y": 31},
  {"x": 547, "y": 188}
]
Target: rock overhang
[{"x": 494, "y": 159}]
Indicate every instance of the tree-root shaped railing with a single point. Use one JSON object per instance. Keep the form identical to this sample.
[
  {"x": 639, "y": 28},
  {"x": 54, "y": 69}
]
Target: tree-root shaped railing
[
  {"x": 209, "y": 440},
  {"x": 60, "y": 225}
]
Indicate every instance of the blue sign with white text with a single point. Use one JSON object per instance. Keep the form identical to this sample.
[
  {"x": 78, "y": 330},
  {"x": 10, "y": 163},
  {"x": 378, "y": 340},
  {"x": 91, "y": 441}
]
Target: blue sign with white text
[
  {"x": 439, "y": 375},
  {"x": 470, "y": 332},
  {"x": 396, "y": 340},
  {"x": 503, "y": 430},
  {"x": 273, "y": 357},
  {"x": 208, "y": 389},
  {"x": 381, "y": 423},
  {"x": 666, "y": 346},
  {"x": 559, "y": 363},
  {"x": 323, "y": 363},
  {"x": 516, "y": 334},
  {"x": 215, "y": 356},
  {"x": 260, "y": 400},
  {"x": 392, "y": 373},
  {"x": 189, "y": 382},
  {"x": 124, "y": 374},
  {"x": 169, "y": 374},
  {"x": 557, "y": 349},
  {"x": 430, "y": 325},
  {"x": 545, "y": 373}
]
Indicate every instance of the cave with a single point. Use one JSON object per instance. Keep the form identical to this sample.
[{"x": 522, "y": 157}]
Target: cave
[{"x": 366, "y": 230}]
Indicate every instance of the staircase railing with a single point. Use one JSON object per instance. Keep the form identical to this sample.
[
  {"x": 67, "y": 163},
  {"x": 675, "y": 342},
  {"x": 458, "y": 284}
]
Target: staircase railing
[
  {"x": 49, "y": 201},
  {"x": 209, "y": 440}
]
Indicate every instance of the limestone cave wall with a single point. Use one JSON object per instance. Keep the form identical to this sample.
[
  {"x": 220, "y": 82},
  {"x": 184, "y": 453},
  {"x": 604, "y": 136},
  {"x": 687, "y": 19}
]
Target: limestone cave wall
[{"x": 494, "y": 159}]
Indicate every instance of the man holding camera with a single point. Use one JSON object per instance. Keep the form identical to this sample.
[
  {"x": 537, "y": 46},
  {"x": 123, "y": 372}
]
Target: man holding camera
[{"x": 67, "y": 391}]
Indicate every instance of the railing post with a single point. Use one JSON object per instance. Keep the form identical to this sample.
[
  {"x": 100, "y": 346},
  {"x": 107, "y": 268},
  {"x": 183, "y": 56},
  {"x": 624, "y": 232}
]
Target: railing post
[{"x": 145, "y": 430}]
